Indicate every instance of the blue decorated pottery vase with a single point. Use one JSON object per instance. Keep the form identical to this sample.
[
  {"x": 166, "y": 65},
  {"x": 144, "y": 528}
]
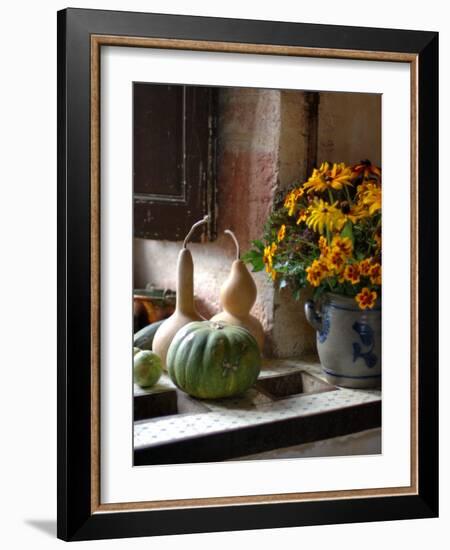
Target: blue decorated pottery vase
[{"x": 348, "y": 341}]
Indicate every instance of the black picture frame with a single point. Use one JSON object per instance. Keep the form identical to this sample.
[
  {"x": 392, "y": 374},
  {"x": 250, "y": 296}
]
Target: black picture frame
[{"x": 76, "y": 518}]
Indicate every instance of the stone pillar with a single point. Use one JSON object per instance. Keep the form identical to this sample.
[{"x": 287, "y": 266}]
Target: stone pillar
[{"x": 291, "y": 335}]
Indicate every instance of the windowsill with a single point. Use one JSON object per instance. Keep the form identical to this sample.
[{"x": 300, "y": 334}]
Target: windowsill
[{"x": 317, "y": 419}]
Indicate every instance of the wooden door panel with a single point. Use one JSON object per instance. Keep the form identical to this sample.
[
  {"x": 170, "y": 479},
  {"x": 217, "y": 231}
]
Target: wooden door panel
[{"x": 173, "y": 150}]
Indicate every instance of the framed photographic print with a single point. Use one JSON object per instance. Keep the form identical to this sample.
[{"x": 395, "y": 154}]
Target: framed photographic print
[{"x": 248, "y": 300}]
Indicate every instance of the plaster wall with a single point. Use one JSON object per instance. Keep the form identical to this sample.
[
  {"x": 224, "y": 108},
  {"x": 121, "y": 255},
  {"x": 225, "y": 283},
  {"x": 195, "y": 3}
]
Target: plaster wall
[{"x": 349, "y": 127}]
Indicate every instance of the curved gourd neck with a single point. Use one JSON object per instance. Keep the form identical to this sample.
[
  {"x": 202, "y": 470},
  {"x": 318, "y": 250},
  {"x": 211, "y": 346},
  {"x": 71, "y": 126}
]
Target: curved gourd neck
[
  {"x": 236, "y": 243},
  {"x": 185, "y": 275},
  {"x": 185, "y": 282},
  {"x": 193, "y": 228}
]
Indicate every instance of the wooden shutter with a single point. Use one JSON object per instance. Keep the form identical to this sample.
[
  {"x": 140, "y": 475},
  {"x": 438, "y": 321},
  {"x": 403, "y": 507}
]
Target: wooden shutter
[{"x": 173, "y": 159}]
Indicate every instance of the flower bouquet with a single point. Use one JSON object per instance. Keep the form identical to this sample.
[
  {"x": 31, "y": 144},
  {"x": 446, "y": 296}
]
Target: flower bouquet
[{"x": 326, "y": 233}]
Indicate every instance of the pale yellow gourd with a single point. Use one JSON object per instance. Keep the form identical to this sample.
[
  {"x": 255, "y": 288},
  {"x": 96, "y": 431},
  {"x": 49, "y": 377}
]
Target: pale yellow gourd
[
  {"x": 185, "y": 311},
  {"x": 237, "y": 297}
]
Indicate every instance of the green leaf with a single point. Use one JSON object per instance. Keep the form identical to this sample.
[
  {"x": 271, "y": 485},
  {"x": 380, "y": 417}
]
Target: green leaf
[
  {"x": 254, "y": 258},
  {"x": 259, "y": 245},
  {"x": 347, "y": 231},
  {"x": 257, "y": 265}
]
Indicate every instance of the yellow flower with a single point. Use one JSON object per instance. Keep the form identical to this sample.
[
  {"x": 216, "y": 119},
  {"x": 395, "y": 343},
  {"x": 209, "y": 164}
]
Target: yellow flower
[
  {"x": 323, "y": 245},
  {"x": 317, "y": 271},
  {"x": 370, "y": 197},
  {"x": 303, "y": 214},
  {"x": 281, "y": 233},
  {"x": 375, "y": 274},
  {"x": 290, "y": 202},
  {"x": 269, "y": 252},
  {"x": 352, "y": 211},
  {"x": 364, "y": 267},
  {"x": 351, "y": 273},
  {"x": 336, "y": 259},
  {"x": 366, "y": 170},
  {"x": 344, "y": 244},
  {"x": 328, "y": 176},
  {"x": 366, "y": 298},
  {"x": 324, "y": 215}
]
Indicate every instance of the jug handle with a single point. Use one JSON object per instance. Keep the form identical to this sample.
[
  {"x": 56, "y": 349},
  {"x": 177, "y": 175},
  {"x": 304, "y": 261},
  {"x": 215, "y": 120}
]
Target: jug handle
[{"x": 313, "y": 318}]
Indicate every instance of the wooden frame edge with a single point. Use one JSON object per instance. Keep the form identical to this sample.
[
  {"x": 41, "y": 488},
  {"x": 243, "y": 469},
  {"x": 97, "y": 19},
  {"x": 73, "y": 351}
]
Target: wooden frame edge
[
  {"x": 235, "y": 47},
  {"x": 414, "y": 219},
  {"x": 126, "y": 41},
  {"x": 95, "y": 273},
  {"x": 254, "y": 499}
]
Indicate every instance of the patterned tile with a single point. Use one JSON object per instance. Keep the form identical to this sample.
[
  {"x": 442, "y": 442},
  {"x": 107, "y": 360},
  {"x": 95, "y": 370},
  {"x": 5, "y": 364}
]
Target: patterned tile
[{"x": 252, "y": 409}]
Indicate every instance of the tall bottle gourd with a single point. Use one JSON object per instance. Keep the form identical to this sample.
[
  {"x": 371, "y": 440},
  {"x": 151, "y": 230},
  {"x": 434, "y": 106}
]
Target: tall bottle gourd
[
  {"x": 185, "y": 311},
  {"x": 237, "y": 297}
]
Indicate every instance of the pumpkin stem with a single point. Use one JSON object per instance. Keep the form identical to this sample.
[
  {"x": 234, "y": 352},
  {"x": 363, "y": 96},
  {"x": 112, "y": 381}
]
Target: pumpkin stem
[
  {"x": 233, "y": 236},
  {"x": 193, "y": 228}
]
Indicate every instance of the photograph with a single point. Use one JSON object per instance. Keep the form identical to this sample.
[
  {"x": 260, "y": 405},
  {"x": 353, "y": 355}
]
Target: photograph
[
  {"x": 247, "y": 274},
  {"x": 257, "y": 273}
]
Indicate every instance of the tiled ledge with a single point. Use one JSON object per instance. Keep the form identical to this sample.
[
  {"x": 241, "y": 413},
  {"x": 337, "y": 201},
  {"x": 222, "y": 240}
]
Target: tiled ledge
[{"x": 256, "y": 413}]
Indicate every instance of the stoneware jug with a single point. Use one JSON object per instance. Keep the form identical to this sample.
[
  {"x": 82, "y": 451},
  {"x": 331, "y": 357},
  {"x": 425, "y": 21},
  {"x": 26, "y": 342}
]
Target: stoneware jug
[{"x": 348, "y": 341}]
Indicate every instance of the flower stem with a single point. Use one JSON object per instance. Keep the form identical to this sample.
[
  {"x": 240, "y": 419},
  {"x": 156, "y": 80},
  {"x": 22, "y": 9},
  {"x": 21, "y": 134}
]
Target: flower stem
[
  {"x": 347, "y": 194},
  {"x": 330, "y": 196}
]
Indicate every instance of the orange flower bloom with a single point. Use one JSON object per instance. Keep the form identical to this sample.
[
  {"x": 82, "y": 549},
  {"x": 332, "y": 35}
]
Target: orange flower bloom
[
  {"x": 351, "y": 273},
  {"x": 344, "y": 244},
  {"x": 316, "y": 272},
  {"x": 290, "y": 202},
  {"x": 375, "y": 274},
  {"x": 336, "y": 259},
  {"x": 364, "y": 267},
  {"x": 323, "y": 245},
  {"x": 269, "y": 252},
  {"x": 303, "y": 215},
  {"x": 366, "y": 298},
  {"x": 281, "y": 233},
  {"x": 366, "y": 170}
]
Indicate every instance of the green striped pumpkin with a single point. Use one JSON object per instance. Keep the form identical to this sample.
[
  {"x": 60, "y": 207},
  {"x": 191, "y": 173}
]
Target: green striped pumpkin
[{"x": 211, "y": 360}]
